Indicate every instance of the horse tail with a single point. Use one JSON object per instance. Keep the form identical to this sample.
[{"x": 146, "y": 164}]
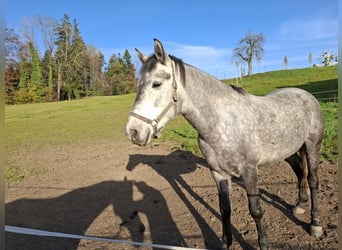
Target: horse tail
[{"x": 305, "y": 170}]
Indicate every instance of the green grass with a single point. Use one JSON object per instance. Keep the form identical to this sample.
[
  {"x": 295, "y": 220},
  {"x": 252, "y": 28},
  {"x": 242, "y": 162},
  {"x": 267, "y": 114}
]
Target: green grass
[
  {"x": 94, "y": 119},
  {"x": 329, "y": 149},
  {"x": 86, "y": 120},
  {"x": 14, "y": 174},
  {"x": 311, "y": 79}
]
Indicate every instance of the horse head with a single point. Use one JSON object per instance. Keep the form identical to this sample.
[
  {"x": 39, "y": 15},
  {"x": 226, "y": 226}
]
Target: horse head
[{"x": 156, "y": 101}]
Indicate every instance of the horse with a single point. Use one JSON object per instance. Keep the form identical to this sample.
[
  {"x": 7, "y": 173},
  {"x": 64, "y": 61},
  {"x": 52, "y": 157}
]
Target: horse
[{"x": 237, "y": 131}]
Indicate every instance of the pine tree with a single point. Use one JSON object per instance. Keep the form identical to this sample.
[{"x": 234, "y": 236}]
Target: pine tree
[
  {"x": 78, "y": 53},
  {"x": 120, "y": 74},
  {"x": 23, "y": 76},
  {"x": 62, "y": 55},
  {"x": 130, "y": 72},
  {"x": 37, "y": 85},
  {"x": 47, "y": 74}
]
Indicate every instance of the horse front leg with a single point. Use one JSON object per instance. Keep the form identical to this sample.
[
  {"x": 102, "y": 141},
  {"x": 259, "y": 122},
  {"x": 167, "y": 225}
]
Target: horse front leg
[
  {"x": 223, "y": 186},
  {"x": 250, "y": 180}
]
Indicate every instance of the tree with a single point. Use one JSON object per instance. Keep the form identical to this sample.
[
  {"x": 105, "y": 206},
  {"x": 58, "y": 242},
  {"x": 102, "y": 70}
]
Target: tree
[
  {"x": 250, "y": 47},
  {"x": 120, "y": 74},
  {"x": 78, "y": 85},
  {"x": 62, "y": 55},
  {"x": 70, "y": 60},
  {"x": 23, "y": 76},
  {"x": 328, "y": 56},
  {"x": 94, "y": 63},
  {"x": 15, "y": 50},
  {"x": 27, "y": 29},
  {"x": 238, "y": 71},
  {"x": 285, "y": 62},
  {"x": 36, "y": 84},
  {"x": 310, "y": 59},
  {"x": 47, "y": 28},
  {"x": 130, "y": 71}
]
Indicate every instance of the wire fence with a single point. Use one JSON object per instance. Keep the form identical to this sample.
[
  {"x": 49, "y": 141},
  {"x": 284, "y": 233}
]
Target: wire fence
[{"x": 326, "y": 96}]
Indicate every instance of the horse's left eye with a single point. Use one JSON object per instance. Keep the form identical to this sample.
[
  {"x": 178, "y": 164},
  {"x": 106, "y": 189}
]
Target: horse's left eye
[{"x": 156, "y": 84}]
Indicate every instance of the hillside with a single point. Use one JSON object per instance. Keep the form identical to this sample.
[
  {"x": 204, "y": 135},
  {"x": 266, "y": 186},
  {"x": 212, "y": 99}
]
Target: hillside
[
  {"x": 94, "y": 119},
  {"x": 311, "y": 79}
]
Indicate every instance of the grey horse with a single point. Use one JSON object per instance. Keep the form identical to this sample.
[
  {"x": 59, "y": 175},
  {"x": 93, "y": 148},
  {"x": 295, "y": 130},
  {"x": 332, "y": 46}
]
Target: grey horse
[{"x": 237, "y": 131}]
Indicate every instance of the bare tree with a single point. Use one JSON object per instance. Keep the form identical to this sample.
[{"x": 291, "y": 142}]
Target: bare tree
[
  {"x": 47, "y": 26},
  {"x": 27, "y": 29},
  {"x": 310, "y": 59},
  {"x": 250, "y": 47},
  {"x": 94, "y": 63},
  {"x": 285, "y": 62}
]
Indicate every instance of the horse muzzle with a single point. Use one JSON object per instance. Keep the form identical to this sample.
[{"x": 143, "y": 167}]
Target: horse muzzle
[{"x": 140, "y": 133}]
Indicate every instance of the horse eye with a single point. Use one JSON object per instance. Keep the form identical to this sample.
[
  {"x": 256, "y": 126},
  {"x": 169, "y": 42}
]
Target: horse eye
[{"x": 156, "y": 84}]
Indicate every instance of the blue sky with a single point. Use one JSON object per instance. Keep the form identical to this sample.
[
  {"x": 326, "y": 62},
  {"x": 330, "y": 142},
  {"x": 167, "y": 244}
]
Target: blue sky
[{"x": 202, "y": 33}]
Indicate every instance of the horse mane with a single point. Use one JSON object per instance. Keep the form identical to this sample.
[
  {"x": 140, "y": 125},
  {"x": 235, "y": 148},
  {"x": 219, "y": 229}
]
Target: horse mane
[
  {"x": 238, "y": 89},
  {"x": 151, "y": 63}
]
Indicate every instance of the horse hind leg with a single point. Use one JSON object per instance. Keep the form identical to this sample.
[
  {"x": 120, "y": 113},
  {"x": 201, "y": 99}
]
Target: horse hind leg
[
  {"x": 313, "y": 157},
  {"x": 300, "y": 168}
]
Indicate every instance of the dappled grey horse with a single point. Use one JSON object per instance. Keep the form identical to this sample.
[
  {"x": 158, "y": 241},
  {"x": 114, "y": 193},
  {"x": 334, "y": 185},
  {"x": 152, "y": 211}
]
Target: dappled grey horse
[{"x": 237, "y": 131}]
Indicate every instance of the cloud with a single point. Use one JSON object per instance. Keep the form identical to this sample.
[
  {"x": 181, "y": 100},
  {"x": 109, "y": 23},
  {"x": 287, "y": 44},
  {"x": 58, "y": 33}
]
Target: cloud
[
  {"x": 309, "y": 30},
  {"x": 194, "y": 52},
  {"x": 215, "y": 61}
]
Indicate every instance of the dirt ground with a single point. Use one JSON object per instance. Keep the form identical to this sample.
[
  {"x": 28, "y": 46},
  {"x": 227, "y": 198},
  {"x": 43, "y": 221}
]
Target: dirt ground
[{"x": 156, "y": 194}]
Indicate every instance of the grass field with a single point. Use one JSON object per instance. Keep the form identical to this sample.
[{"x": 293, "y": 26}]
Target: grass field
[
  {"x": 81, "y": 121},
  {"x": 94, "y": 119}
]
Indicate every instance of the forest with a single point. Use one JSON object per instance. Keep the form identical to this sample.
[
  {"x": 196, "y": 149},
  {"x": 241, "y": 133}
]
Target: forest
[{"x": 68, "y": 69}]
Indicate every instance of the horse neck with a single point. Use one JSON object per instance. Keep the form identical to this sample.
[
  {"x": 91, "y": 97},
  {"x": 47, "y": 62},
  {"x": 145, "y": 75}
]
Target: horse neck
[{"x": 203, "y": 99}]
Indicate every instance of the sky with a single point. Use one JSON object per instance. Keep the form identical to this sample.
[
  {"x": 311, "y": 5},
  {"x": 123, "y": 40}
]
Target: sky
[{"x": 201, "y": 33}]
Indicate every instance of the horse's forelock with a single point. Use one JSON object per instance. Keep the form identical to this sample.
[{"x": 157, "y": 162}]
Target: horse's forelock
[
  {"x": 149, "y": 65},
  {"x": 152, "y": 61}
]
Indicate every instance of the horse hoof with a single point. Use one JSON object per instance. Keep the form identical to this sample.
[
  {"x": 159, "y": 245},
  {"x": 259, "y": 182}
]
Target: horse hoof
[
  {"x": 316, "y": 231},
  {"x": 298, "y": 210},
  {"x": 224, "y": 246}
]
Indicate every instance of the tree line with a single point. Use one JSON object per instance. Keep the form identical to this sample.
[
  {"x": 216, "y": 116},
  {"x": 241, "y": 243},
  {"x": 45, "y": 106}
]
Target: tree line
[{"x": 68, "y": 69}]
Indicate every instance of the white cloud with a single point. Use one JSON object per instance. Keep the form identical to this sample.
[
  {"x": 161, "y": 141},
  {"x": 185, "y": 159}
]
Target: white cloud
[
  {"x": 309, "y": 30},
  {"x": 193, "y": 52},
  {"x": 215, "y": 61}
]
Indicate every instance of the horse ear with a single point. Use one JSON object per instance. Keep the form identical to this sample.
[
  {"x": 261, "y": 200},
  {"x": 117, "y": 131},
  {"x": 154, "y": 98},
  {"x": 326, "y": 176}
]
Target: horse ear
[
  {"x": 159, "y": 51},
  {"x": 143, "y": 58}
]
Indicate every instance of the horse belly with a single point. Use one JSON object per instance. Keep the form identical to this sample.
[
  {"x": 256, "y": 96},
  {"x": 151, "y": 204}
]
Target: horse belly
[
  {"x": 282, "y": 137},
  {"x": 277, "y": 150}
]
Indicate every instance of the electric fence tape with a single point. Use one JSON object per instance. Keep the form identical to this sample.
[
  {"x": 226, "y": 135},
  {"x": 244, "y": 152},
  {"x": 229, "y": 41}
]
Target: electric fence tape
[{"x": 36, "y": 232}]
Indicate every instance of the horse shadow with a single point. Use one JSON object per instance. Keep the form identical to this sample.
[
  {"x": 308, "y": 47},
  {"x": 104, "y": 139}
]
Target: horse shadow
[
  {"x": 74, "y": 212},
  {"x": 172, "y": 167}
]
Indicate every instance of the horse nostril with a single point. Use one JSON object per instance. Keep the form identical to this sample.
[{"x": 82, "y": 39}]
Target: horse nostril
[{"x": 133, "y": 133}]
